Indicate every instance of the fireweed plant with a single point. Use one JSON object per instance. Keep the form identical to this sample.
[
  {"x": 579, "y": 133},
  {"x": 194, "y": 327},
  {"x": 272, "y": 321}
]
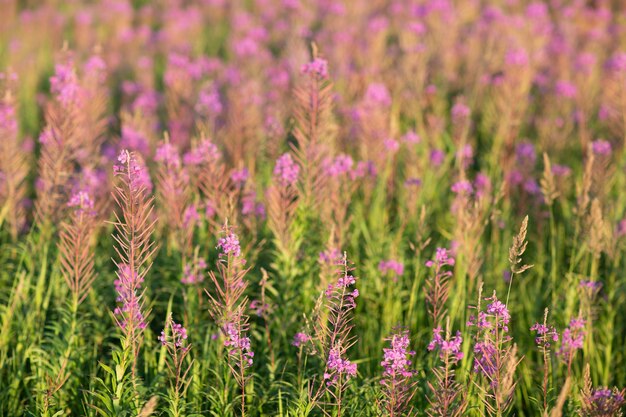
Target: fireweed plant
[{"x": 312, "y": 208}]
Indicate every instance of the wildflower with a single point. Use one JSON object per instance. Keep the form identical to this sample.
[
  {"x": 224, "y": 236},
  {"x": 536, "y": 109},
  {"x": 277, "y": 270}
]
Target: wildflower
[
  {"x": 192, "y": 272},
  {"x": 442, "y": 257},
  {"x": 398, "y": 377},
  {"x": 240, "y": 177},
  {"x": 229, "y": 244},
  {"x": 391, "y": 265},
  {"x": 603, "y": 402},
  {"x": 318, "y": 68},
  {"x": 377, "y": 95},
  {"x": 462, "y": 187},
  {"x": 177, "y": 338},
  {"x": 64, "y": 83},
  {"x": 391, "y": 145},
  {"x": 572, "y": 339},
  {"x": 411, "y": 137},
  {"x": 516, "y": 58},
  {"x": 561, "y": 170},
  {"x": 337, "y": 367},
  {"x": 525, "y": 153},
  {"x": 437, "y": 157},
  {"x": 300, "y": 339},
  {"x": 412, "y": 182},
  {"x": 128, "y": 286},
  {"x": 460, "y": 112},
  {"x": 168, "y": 154},
  {"x": 545, "y": 335},
  {"x": 205, "y": 152},
  {"x": 492, "y": 325},
  {"x": 83, "y": 203},
  {"x": 341, "y": 165},
  {"x": 565, "y": 89},
  {"x": 209, "y": 102},
  {"x": 286, "y": 171},
  {"x": 448, "y": 348},
  {"x": 601, "y": 147},
  {"x": 239, "y": 344}
]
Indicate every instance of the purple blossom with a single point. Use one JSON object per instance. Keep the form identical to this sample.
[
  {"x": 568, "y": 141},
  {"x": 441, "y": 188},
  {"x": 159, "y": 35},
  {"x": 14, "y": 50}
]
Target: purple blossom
[
  {"x": 177, "y": 338},
  {"x": 561, "y": 170},
  {"x": 286, "y": 171},
  {"x": 64, "y": 83},
  {"x": 545, "y": 335},
  {"x": 516, "y": 58},
  {"x": 605, "y": 402},
  {"x": 391, "y": 145},
  {"x": 525, "y": 153},
  {"x": 572, "y": 339},
  {"x": 412, "y": 182},
  {"x": 448, "y": 348},
  {"x": 192, "y": 272},
  {"x": 168, "y": 154},
  {"x": 396, "y": 359},
  {"x": 238, "y": 344},
  {"x": 377, "y": 95},
  {"x": 463, "y": 187},
  {"x": 205, "y": 152},
  {"x": 341, "y": 165},
  {"x": 240, "y": 177},
  {"x": 565, "y": 89},
  {"x": 318, "y": 68},
  {"x": 209, "y": 103},
  {"x": 229, "y": 245},
  {"x": 391, "y": 265},
  {"x": 300, "y": 339},
  {"x": 82, "y": 201},
  {"x": 411, "y": 137},
  {"x": 134, "y": 169},
  {"x": 460, "y": 112},
  {"x": 8, "y": 119},
  {"x": 442, "y": 257},
  {"x": 127, "y": 286},
  {"x": 437, "y": 157},
  {"x": 337, "y": 367},
  {"x": 601, "y": 147}
]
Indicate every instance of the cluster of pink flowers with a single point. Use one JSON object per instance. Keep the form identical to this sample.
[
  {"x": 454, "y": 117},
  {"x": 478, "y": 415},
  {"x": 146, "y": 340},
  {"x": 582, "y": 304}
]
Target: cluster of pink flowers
[
  {"x": 318, "y": 67},
  {"x": 130, "y": 166},
  {"x": 168, "y": 154},
  {"x": 192, "y": 272},
  {"x": 493, "y": 328},
  {"x": 128, "y": 287},
  {"x": 605, "y": 402},
  {"x": 82, "y": 202},
  {"x": 448, "y": 348},
  {"x": 177, "y": 338},
  {"x": 545, "y": 335},
  {"x": 572, "y": 339},
  {"x": 391, "y": 265},
  {"x": 337, "y": 367},
  {"x": 442, "y": 257},
  {"x": 229, "y": 245},
  {"x": 342, "y": 284},
  {"x": 300, "y": 339},
  {"x": 601, "y": 147},
  {"x": 64, "y": 83},
  {"x": 240, "y": 177},
  {"x": 205, "y": 152},
  {"x": 238, "y": 344},
  {"x": 286, "y": 171},
  {"x": 396, "y": 359}
]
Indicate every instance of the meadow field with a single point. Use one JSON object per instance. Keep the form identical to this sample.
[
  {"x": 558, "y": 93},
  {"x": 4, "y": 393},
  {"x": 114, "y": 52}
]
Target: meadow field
[{"x": 312, "y": 208}]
